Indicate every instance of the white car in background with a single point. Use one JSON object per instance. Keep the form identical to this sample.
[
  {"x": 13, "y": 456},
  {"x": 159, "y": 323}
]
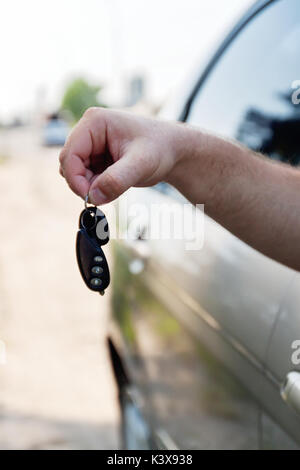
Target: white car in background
[{"x": 55, "y": 131}]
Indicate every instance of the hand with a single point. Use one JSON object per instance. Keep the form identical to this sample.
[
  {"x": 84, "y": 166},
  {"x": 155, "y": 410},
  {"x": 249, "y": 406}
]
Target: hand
[
  {"x": 254, "y": 198},
  {"x": 109, "y": 151}
]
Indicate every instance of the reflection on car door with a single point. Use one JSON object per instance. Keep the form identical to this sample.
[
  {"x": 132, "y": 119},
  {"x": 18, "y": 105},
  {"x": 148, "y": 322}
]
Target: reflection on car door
[
  {"x": 185, "y": 362},
  {"x": 248, "y": 96},
  {"x": 198, "y": 324},
  {"x": 283, "y": 431}
]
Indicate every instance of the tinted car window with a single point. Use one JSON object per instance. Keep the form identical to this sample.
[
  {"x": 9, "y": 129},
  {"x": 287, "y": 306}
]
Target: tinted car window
[{"x": 248, "y": 93}]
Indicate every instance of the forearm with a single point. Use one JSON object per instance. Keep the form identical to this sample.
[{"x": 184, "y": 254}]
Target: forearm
[{"x": 254, "y": 198}]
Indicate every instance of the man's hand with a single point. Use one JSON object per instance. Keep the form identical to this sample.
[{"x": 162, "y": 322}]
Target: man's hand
[
  {"x": 110, "y": 151},
  {"x": 254, "y": 198}
]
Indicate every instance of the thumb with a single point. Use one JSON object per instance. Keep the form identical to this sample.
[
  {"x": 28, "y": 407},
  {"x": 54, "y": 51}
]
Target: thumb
[{"x": 128, "y": 171}]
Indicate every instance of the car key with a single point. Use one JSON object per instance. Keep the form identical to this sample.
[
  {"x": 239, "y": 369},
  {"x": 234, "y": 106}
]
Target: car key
[{"x": 93, "y": 233}]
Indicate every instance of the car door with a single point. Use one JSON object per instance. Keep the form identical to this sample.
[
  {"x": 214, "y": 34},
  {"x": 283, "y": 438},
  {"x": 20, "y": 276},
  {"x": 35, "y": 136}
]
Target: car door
[
  {"x": 251, "y": 95},
  {"x": 197, "y": 323},
  {"x": 281, "y": 427},
  {"x": 180, "y": 358}
]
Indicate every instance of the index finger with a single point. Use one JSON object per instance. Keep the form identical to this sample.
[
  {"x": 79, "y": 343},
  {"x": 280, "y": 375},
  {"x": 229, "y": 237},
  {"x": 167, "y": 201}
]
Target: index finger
[{"x": 86, "y": 139}]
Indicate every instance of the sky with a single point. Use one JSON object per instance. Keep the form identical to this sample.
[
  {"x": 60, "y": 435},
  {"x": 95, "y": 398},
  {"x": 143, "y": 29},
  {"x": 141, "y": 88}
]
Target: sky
[{"x": 43, "y": 45}]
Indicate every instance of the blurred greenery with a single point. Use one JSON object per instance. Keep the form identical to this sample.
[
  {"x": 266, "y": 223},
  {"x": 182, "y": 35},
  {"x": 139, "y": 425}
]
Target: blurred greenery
[{"x": 79, "y": 96}]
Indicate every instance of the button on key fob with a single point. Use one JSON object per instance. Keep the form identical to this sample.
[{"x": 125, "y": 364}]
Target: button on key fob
[{"x": 93, "y": 233}]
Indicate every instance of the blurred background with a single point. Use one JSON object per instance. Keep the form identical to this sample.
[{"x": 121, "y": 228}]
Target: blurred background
[{"x": 57, "y": 59}]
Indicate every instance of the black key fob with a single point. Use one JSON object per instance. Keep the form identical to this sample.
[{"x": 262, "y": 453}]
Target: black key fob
[{"x": 93, "y": 233}]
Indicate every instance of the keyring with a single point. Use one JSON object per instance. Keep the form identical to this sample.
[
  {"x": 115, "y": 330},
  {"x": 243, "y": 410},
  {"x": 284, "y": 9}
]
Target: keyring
[{"x": 86, "y": 200}]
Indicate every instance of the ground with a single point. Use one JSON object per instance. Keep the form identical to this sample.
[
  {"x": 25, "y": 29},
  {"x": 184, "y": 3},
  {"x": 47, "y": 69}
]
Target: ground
[{"x": 56, "y": 388}]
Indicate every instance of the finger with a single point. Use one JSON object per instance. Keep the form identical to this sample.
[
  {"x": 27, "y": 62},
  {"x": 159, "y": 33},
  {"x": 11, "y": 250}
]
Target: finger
[
  {"x": 132, "y": 168},
  {"x": 75, "y": 173},
  {"x": 86, "y": 139},
  {"x": 89, "y": 174}
]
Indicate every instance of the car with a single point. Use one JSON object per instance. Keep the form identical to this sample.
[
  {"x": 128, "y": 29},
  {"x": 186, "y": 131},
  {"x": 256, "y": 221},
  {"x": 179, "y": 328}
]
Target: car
[
  {"x": 205, "y": 344},
  {"x": 55, "y": 131}
]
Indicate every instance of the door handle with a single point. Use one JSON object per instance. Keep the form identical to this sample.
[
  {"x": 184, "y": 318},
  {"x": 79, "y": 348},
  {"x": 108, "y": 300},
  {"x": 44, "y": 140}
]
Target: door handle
[{"x": 290, "y": 390}]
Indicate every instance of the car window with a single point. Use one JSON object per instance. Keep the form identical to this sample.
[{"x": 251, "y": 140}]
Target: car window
[{"x": 248, "y": 93}]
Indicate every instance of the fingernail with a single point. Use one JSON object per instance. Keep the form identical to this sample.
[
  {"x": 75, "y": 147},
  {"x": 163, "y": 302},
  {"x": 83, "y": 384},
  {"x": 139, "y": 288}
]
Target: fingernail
[{"x": 97, "y": 197}]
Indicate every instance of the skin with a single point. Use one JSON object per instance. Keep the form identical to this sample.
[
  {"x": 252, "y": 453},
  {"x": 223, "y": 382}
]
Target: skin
[{"x": 253, "y": 197}]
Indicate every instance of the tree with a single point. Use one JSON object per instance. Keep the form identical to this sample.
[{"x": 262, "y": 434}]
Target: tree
[{"x": 79, "y": 96}]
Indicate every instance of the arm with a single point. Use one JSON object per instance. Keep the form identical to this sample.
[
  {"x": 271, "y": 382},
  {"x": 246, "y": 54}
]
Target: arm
[{"x": 254, "y": 198}]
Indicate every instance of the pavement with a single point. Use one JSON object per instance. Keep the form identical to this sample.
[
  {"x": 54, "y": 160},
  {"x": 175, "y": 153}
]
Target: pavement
[{"x": 56, "y": 387}]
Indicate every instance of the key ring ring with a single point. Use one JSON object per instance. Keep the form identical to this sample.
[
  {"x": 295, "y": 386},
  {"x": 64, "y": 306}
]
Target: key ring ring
[{"x": 86, "y": 200}]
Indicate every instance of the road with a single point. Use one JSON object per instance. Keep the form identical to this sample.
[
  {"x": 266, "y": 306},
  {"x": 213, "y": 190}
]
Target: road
[{"x": 56, "y": 388}]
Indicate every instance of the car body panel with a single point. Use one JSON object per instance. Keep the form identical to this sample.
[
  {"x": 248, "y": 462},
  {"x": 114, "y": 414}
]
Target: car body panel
[
  {"x": 280, "y": 362},
  {"x": 172, "y": 329},
  {"x": 286, "y": 331},
  {"x": 196, "y": 328}
]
